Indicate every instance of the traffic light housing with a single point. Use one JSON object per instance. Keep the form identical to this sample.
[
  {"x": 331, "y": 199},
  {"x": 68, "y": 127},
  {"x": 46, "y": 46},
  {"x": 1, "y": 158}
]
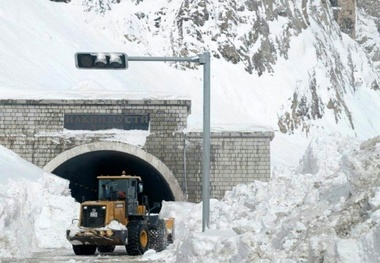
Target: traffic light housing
[{"x": 101, "y": 60}]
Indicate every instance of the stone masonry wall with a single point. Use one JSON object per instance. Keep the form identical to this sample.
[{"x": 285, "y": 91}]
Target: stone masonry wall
[
  {"x": 236, "y": 158},
  {"x": 28, "y": 126},
  {"x": 34, "y": 130}
]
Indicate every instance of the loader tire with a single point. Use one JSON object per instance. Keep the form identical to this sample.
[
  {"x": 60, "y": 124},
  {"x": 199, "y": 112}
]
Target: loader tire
[
  {"x": 84, "y": 250},
  {"x": 157, "y": 236},
  {"x": 138, "y": 237},
  {"x": 106, "y": 248}
]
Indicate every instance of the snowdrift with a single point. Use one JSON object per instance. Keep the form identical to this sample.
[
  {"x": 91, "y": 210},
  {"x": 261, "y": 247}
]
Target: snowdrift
[
  {"x": 35, "y": 207},
  {"x": 328, "y": 210}
]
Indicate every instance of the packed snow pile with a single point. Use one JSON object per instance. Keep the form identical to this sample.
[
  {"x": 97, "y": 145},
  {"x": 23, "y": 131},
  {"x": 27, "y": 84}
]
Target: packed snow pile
[
  {"x": 326, "y": 211},
  {"x": 113, "y": 225},
  {"x": 34, "y": 207}
]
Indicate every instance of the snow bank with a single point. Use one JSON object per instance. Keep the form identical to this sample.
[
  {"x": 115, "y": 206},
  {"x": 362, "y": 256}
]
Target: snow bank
[
  {"x": 133, "y": 137},
  {"x": 35, "y": 207},
  {"x": 327, "y": 210}
]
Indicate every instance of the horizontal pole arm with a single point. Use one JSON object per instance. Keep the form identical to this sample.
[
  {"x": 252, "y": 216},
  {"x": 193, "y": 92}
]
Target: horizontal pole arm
[{"x": 165, "y": 59}]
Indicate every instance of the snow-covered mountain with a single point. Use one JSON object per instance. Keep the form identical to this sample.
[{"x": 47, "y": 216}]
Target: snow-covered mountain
[
  {"x": 263, "y": 37},
  {"x": 283, "y": 64}
]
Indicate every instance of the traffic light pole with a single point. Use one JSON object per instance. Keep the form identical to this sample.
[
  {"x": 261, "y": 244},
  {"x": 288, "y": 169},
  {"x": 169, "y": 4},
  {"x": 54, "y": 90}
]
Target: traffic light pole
[{"x": 202, "y": 59}]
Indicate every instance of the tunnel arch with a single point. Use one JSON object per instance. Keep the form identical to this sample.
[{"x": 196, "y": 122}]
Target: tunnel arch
[{"x": 119, "y": 149}]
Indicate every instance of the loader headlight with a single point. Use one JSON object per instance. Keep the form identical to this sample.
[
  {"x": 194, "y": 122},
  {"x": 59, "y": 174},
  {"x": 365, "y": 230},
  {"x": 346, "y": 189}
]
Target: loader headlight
[{"x": 109, "y": 233}]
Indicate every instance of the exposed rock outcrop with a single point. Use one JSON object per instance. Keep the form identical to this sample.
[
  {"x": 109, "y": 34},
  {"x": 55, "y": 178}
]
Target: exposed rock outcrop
[{"x": 262, "y": 37}]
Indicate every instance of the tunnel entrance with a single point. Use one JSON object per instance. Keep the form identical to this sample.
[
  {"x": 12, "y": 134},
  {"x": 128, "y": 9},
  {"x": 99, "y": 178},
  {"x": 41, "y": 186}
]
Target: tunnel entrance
[{"x": 83, "y": 169}]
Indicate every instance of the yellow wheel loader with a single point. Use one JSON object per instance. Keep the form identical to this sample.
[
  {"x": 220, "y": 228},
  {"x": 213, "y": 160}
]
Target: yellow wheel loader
[{"x": 118, "y": 218}]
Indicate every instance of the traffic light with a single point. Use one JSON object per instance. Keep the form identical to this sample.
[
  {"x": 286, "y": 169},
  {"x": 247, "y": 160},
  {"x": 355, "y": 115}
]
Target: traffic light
[{"x": 101, "y": 60}]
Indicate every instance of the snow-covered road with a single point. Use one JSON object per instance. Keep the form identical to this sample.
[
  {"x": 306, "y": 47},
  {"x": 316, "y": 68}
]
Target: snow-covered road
[{"x": 67, "y": 255}]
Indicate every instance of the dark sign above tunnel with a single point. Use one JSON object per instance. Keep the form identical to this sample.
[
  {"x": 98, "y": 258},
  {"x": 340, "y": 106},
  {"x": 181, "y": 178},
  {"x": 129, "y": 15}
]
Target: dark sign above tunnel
[{"x": 95, "y": 122}]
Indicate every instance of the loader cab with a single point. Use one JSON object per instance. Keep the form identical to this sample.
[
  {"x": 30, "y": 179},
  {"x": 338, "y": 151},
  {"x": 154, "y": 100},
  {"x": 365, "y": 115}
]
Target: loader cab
[{"x": 124, "y": 188}]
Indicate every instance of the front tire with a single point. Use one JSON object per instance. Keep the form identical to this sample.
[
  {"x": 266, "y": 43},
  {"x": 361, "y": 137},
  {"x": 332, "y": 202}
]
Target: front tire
[
  {"x": 81, "y": 250},
  {"x": 157, "y": 236},
  {"x": 138, "y": 238}
]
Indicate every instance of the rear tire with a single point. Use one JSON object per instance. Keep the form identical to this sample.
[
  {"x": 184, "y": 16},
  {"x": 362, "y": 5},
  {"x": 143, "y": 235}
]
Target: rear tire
[
  {"x": 106, "y": 248},
  {"x": 84, "y": 250},
  {"x": 157, "y": 236},
  {"x": 138, "y": 237}
]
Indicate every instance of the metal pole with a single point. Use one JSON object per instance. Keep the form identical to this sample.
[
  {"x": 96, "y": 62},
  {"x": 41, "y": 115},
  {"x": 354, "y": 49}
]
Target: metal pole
[
  {"x": 185, "y": 166},
  {"x": 203, "y": 59}
]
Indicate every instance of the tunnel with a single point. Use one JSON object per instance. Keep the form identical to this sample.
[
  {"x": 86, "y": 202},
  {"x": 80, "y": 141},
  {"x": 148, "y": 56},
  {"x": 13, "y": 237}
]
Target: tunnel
[{"x": 83, "y": 164}]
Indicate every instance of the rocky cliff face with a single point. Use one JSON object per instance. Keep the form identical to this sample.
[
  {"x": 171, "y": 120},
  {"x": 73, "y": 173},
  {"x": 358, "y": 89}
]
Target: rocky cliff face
[
  {"x": 368, "y": 29},
  {"x": 372, "y": 8},
  {"x": 241, "y": 32},
  {"x": 258, "y": 36},
  {"x": 99, "y": 6}
]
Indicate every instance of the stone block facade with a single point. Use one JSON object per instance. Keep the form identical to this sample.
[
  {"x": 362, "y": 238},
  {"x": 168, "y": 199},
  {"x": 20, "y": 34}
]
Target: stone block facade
[
  {"x": 34, "y": 129},
  {"x": 236, "y": 157}
]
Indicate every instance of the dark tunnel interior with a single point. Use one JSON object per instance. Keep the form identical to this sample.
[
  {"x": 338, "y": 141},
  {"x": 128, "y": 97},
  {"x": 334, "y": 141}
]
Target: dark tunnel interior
[{"x": 83, "y": 169}]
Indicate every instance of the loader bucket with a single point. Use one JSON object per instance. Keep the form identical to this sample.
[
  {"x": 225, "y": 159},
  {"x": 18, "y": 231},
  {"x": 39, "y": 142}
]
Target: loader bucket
[{"x": 98, "y": 237}]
